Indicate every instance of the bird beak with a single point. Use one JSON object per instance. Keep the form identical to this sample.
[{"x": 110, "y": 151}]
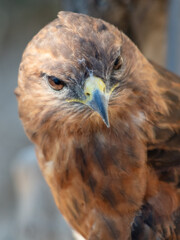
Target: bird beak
[{"x": 96, "y": 97}]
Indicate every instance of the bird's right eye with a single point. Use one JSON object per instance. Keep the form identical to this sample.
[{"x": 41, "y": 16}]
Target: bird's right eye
[
  {"x": 118, "y": 63},
  {"x": 55, "y": 83}
]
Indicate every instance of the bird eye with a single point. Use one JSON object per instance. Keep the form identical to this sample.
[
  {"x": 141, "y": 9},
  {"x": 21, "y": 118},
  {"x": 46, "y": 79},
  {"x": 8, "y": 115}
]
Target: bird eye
[
  {"x": 118, "y": 63},
  {"x": 55, "y": 83}
]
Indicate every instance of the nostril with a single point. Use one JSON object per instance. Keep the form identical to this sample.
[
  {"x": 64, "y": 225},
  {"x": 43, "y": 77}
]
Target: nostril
[{"x": 87, "y": 94}]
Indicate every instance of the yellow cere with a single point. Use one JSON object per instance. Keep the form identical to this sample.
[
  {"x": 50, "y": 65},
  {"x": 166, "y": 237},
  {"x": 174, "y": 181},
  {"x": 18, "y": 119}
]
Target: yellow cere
[{"x": 92, "y": 84}]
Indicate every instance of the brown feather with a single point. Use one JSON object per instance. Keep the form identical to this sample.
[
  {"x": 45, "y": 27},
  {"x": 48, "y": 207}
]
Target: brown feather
[{"x": 101, "y": 178}]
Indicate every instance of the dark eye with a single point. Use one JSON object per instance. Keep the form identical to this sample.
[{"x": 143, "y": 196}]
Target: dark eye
[
  {"x": 55, "y": 83},
  {"x": 118, "y": 63}
]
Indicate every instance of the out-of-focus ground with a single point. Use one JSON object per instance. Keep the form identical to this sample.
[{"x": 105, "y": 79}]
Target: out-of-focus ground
[{"x": 27, "y": 210}]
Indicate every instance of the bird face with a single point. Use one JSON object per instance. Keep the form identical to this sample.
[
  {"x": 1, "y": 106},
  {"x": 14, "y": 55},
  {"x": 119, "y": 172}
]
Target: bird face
[{"x": 77, "y": 69}]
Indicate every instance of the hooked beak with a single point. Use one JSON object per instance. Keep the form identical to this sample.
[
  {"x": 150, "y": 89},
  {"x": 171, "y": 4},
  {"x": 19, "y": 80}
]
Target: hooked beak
[{"x": 96, "y": 97}]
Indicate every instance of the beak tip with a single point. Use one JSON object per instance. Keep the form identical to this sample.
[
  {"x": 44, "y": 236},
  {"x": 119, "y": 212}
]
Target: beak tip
[
  {"x": 99, "y": 103},
  {"x": 107, "y": 123}
]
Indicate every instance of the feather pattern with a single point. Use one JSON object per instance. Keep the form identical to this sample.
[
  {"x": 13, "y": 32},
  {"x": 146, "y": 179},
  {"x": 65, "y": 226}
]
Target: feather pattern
[{"x": 119, "y": 182}]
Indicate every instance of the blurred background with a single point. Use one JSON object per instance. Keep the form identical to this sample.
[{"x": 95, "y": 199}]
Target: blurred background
[{"x": 27, "y": 210}]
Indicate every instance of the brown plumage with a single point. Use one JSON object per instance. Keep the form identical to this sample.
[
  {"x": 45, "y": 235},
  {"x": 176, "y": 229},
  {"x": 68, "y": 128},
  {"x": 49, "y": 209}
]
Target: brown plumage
[{"x": 106, "y": 126}]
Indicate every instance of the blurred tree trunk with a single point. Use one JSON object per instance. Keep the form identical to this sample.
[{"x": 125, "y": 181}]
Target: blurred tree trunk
[
  {"x": 144, "y": 21},
  {"x": 173, "y": 56}
]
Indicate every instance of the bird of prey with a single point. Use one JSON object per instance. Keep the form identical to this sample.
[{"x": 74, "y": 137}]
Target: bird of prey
[{"x": 105, "y": 122}]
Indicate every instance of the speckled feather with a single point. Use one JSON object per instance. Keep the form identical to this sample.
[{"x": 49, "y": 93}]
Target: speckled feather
[{"x": 103, "y": 178}]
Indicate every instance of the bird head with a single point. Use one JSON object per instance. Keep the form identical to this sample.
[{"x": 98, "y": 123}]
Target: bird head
[{"x": 79, "y": 72}]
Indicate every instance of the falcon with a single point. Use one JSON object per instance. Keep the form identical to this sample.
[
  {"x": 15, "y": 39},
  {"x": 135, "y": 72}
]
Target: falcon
[{"x": 105, "y": 122}]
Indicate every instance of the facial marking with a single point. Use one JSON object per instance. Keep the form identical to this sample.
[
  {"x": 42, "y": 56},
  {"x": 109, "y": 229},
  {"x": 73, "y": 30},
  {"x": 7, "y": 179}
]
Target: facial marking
[
  {"x": 49, "y": 168},
  {"x": 139, "y": 118}
]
